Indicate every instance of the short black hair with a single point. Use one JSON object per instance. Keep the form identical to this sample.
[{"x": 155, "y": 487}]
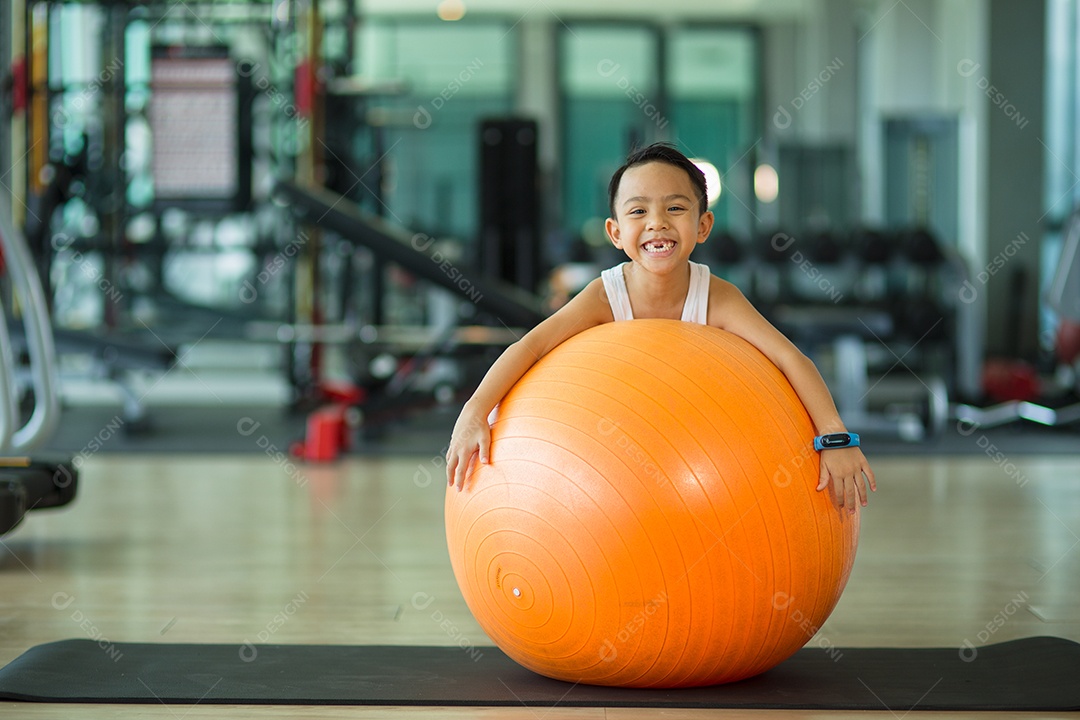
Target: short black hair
[{"x": 665, "y": 153}]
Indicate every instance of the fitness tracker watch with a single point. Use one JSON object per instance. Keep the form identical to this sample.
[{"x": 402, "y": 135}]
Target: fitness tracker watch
[{"x": 835, "y": 440}]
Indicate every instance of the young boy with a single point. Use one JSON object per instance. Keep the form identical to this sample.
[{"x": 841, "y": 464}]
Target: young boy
[{"x": 658, "y": 214}]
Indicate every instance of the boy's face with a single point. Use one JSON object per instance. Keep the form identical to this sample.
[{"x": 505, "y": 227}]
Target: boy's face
[{"x": 656, "y": 221}]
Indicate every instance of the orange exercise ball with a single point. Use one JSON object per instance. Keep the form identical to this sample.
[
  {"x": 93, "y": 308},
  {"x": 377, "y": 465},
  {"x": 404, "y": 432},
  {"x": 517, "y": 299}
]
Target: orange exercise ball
[{"x": 649, "y": 517}]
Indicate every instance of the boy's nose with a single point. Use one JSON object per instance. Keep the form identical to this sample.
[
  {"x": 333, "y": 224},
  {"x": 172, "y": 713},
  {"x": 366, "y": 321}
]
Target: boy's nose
[{"x": 658, "y": 221}]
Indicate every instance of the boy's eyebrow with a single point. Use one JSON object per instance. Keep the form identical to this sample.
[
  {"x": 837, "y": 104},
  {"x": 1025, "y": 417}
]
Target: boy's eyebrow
[{"x": 641, "y": 198}]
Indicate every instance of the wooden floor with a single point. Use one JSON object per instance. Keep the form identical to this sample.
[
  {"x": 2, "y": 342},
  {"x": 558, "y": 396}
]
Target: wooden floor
[{"x": 213, "y": 549}]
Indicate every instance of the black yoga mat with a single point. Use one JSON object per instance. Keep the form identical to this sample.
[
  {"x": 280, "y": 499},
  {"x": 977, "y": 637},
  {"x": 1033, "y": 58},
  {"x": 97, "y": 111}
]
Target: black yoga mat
[{"x": 1041, "y": 674}]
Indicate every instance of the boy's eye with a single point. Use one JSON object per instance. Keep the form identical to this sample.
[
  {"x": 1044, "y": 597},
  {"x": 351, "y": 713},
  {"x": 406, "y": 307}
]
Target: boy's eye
[{"x": 676, "y": 208}]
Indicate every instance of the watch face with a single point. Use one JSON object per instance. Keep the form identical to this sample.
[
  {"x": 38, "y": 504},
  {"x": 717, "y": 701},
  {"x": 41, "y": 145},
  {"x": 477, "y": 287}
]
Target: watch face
[{"x": 836, "y": 440}]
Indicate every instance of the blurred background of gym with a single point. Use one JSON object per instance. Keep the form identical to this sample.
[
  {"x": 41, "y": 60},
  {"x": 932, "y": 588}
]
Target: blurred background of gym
[{"x": 306, "y": 229}]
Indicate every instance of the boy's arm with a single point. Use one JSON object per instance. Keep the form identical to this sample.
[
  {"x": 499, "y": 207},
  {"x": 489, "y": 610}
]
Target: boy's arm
[
  {"x": 472, "y": 434},
  {"x": 844, "y": 468}
]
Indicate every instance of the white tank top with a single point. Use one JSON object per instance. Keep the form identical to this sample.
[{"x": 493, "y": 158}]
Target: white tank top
[{"x": 695, "y": 308}]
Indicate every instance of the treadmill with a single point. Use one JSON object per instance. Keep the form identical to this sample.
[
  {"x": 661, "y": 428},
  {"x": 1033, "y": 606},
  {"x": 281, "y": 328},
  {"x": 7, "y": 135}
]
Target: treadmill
[{"x": 28, "y": 483}]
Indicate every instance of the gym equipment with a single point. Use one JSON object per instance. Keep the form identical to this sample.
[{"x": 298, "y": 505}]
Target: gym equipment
[
  {"x": 1064, "y": 298},
  {"x": 1067, "y": 341},
  {"x": 395, "y": 361},
  {"x": 114, "y": 357},
  {"x": 509, "y": 220},
  {"x": 836, "y": 299},
  {"x": 1030, "y": 674},
  {"x": 417, "y": 254},
  {"x": 327, "y": 433},
  {"x": 27, "y": 484},
  {"x": 1064, "y": 293},
  {"x": 649, "y": 517}
]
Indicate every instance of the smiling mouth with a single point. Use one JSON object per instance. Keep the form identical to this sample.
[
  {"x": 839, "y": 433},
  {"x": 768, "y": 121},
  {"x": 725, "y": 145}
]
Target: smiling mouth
[{"x": 658, "y": 246}]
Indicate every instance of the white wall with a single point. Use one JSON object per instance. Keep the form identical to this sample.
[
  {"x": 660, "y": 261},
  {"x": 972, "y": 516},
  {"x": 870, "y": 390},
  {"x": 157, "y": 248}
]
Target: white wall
[
  {"x": 908, "y": 55},
  {"x": 909, "y": 58}
]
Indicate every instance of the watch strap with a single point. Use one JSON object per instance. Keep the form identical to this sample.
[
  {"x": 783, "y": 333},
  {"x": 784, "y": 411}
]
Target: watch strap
[{"x": 832, "y": 441}]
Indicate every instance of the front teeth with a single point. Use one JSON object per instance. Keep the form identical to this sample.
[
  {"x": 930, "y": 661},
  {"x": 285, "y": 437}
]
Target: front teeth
[{"x": 659, "y": 247}]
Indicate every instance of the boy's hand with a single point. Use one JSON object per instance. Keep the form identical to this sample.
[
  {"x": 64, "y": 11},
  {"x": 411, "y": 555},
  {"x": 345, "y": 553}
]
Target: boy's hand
[
  {"x": 849, "y": 473},
  {"x": 471, "y": 435}
]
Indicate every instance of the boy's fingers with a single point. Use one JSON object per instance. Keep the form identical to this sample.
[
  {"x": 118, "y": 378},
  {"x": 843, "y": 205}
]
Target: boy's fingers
[
  {"x": 823, "y": 479},
  {"x": 451, "y": 466},
  {"x": 485, "y": 445},
  {"x": 459, "y": 471},
  {"x": 849, "y": 491}
]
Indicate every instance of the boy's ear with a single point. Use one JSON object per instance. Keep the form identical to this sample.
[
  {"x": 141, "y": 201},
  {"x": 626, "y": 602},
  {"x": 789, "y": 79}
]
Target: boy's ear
[
  {"x": 705, "y": 224},
  {"x": 613, "y": 232}
]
